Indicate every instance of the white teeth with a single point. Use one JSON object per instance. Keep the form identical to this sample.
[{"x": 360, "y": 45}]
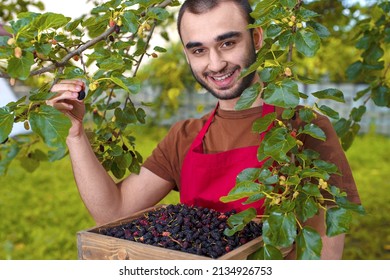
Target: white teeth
[{"x": 223, "y": 77}]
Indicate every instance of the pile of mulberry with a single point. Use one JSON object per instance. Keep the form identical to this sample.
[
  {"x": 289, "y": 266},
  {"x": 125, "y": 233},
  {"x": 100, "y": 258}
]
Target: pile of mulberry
[{"x": 195, "y": 230}]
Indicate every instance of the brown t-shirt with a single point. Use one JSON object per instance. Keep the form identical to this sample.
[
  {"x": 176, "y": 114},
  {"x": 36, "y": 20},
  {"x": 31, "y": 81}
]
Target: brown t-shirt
[{"x": 233, "y": 129}]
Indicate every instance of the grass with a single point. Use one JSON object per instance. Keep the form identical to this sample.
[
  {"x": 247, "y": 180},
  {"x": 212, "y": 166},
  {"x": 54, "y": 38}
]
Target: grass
[{"x": 41, "y": 212}]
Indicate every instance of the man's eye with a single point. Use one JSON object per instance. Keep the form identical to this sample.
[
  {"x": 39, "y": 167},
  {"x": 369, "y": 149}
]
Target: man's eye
[
  {"x": 228, "y": 44},
  {"x": 198, "y": 51}
]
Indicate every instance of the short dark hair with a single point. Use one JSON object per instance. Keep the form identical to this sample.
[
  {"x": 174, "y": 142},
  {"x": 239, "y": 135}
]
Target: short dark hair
[{"x": 202, "y": 6}]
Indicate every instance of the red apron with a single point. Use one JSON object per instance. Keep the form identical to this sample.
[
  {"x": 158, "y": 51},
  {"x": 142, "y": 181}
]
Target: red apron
[{"x": 205, "y": 178}]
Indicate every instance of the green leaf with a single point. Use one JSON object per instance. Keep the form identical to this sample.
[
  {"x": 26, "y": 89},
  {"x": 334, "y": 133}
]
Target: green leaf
[
  {"x": 307, "y": 42},
  {"x": 130, "y": 22},
  {"x": 306, "y": 206},
  {"x": 124, "y": 161},
  {"x": 238, "y": 221},
  {"x": 308, "y": 244},
  {"x": 284, "y": 94},
  {"x": 338, "y": 221},
  {"x": 262, "y": 124},
  {"x": 373, "y": 54},
  {"x": 242, "y": 190},
  {"x": 343, "y": 202},
  {"x": 330, "y": 93},
  {"x": 117, "y": 171},
  {"x": 354, "y": 70},
  {"x": 328, "y": 111},
  {"x": 268, "y": 74},
  {"x": 286, "y": 38},
  {"x": 20, "y": 68},
  {"x": 311, "y": 189},
  {"x": 6, "y": 123},
  {"x": 326, "y": 166},
  {"x": 277, "y": 144},
  {"x": 7, "y": 154},
  {"x": 248, "y": 97},
  {"x": 248, "y": 174},
  {"x": 306, "y": 114},
  {"x": 158, "y": 13},
  {"x": 381, "y": 95},
  {"x": 321, "y": 30},
  {"x": 41, "y": 94},
  {"x": 53, "y": 126},
  {"x": 279, "y": 229},
  {"x": 273, "y": 30},
  {"x": 357, "y": 113},
  {"x": 267, "y": 252},
  {"x": 314, "y": 131},
  {"x": 50, "y": 20}
]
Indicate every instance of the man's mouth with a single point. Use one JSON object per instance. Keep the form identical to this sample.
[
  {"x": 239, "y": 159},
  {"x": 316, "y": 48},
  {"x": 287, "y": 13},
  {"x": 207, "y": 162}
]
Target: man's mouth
[
  {"x": 221, "y": 78},
  {"x": 225, "y": 80}
]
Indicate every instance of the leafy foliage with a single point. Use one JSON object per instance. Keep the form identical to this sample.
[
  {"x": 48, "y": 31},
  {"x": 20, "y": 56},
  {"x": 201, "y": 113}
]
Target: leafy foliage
[{"x": 115, "y": 38}]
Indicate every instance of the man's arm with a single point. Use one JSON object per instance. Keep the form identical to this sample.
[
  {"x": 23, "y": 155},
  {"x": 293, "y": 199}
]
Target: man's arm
[{"x": 104, "y": 199}]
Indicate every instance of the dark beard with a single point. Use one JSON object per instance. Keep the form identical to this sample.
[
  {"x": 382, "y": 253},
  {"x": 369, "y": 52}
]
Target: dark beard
[{"x": 244, "y": 83}]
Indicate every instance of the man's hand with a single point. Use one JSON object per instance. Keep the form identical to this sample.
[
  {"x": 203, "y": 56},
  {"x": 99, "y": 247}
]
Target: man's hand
[{"x": 69, "y": 102}]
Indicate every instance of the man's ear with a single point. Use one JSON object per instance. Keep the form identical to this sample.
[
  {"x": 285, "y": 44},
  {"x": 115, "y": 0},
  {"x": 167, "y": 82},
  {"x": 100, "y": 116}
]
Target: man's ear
[{"x": 258, "y": 37}]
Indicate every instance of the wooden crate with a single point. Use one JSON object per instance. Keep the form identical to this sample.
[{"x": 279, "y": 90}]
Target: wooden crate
[{"x": 95, "y": 246}]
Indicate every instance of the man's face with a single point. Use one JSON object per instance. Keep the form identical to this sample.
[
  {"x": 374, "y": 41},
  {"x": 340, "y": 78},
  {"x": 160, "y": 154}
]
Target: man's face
[{"x": 218, "y": 47}]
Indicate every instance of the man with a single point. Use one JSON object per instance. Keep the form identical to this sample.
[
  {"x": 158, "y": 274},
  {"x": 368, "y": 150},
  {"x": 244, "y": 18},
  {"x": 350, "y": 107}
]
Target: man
[{"x": 201, "y": 158}]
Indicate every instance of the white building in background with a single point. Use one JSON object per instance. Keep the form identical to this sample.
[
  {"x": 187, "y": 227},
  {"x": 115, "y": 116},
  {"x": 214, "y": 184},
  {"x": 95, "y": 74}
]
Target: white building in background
[{"x": 6, "y": 96}]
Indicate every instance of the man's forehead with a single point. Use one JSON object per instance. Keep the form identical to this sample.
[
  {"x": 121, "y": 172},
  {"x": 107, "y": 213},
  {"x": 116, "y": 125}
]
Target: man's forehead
[{"x": 224, "y": 18}]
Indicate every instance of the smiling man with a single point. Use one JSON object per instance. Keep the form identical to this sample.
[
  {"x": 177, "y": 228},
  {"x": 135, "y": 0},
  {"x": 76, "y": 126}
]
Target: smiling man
[{"x": 200, "y": 158}]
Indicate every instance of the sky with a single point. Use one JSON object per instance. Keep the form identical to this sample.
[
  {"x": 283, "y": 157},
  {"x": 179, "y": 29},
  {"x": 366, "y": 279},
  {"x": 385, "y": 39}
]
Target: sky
[{"x": 69, "y": 8}]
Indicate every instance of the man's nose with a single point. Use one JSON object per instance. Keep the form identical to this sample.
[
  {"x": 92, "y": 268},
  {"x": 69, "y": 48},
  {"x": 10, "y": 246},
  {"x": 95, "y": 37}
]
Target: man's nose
[{"x": 216, "y": 61}]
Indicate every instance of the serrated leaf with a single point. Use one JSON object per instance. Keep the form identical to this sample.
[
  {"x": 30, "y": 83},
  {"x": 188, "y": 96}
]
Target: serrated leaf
[
  {"x": 248, "y": 97},
  {"x": 320, "y": 29},
  {"x": 307, "y": 42},
  {"x": 130, "y": 22},
  {"x": 381, "y": 95},
  {"x": 308, "y": 244},
  {"x": 338, "y": 221},
  {"x": 268, "y": 74},
  {"x": 314, "y": 131},
  {"x": 52, "y": 126},
  {"x": 284, "y": 94},
  {"x": 248, "y": 174},
  {"x": 330, "y": 93},
  {"x": 124, "y": 161},
  {"x": 262, "y": 124},
  {"x": 343, "y": 202},
  {"x": 328, "y": 111},
  {"x": 238, "y": 221},
  {"x": 8, "y": 153},
  {"x": 267, "y": 252},
  {"x": 279, "y": 229},
  {"x": 241, "y": 190},
  {"x": 20, "y": 68},
  {"x": 158, "y": 13},
  {"x": 50, "y": 20},
  {"x": 306, "y": 206},
  {"x": 6, "y": 123},
  {"x": 277, "y": 144},
  {"x": 354, "y": 70}
]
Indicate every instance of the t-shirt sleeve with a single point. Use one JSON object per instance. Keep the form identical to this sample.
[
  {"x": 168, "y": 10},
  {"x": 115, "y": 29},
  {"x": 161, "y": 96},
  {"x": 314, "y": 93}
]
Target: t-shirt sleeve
[
  {"x": 163, "y": 159},
  {"x": 332, "y": 151}
]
